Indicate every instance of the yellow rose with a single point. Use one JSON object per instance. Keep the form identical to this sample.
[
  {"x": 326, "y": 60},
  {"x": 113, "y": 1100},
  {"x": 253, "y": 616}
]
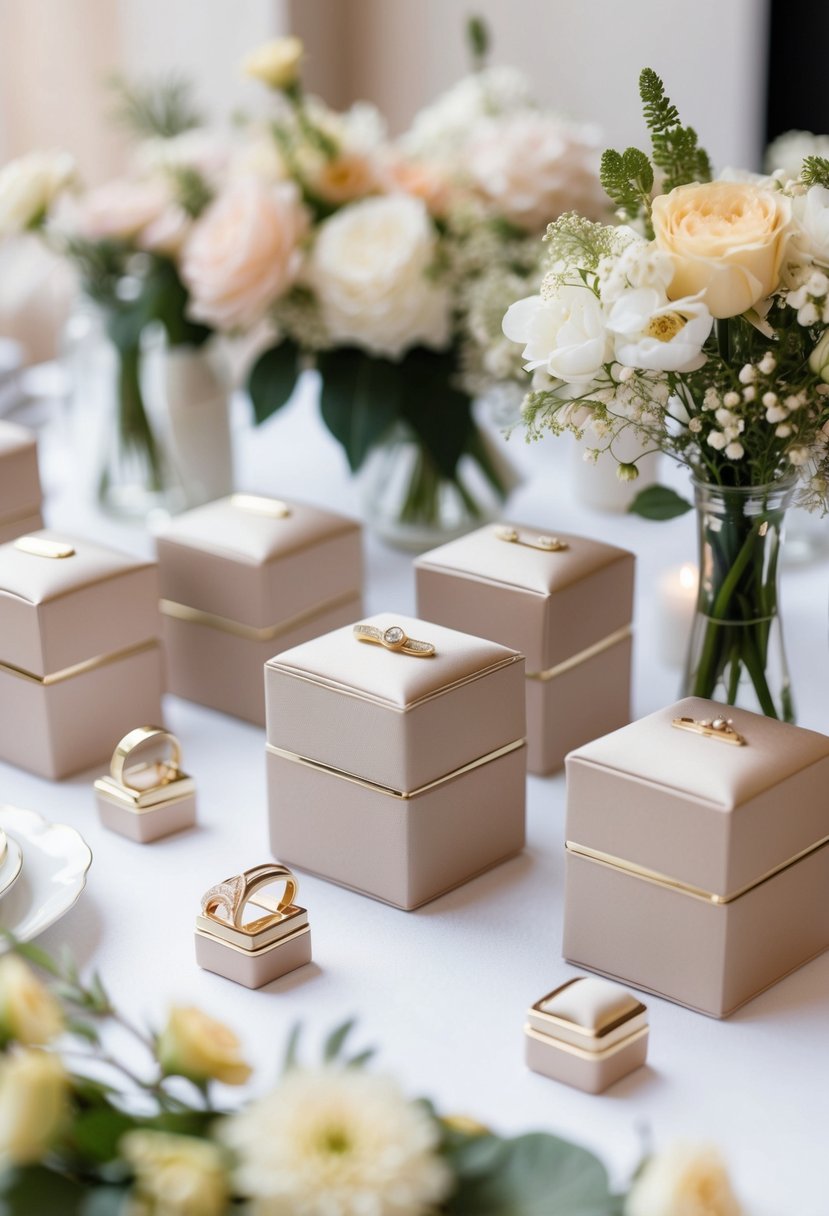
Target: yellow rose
[
  {"x": 33, "y": 1105},
  {"x": 726, "y": 239},
  {"x": 275, "y": 63},
  {"x": 176, "y": 1175},
  {"x": 685, "y": 1179},
  {"x": 29, "y": 1014},
  {"x": 197, "y": 1046}
]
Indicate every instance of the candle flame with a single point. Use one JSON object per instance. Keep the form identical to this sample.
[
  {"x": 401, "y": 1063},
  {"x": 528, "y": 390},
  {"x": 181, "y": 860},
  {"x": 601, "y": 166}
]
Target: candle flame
[{"x": 688, "y": 575}]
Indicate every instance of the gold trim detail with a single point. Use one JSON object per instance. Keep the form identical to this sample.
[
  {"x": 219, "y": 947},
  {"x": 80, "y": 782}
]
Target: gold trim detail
[
  {"x": 384, "y": 789},
  {"x": 256, "y": 951},
  {"x": 684, "y": 888},
  {"x": 259, "y": 504},
  {"x": 41, "y": 546},
  {"x": 547, "y": 544},
  {"x": 78, "y": 669},
  {"x": 721, "y": 729},
  {"x": 579, "y": 1052},
  {"x": 181, "y": 612},
  {"x": 583, "y": 656}
]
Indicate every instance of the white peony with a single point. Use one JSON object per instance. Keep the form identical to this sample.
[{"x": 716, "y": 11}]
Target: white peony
[
  {"x": 440, "y": 131},
  {"x": 337, "y": 1142},
  {"x": 683, "y": 1181},
  {"x": 656, "y": 334},
  {"x": 29, "y": 186},
  {"x": 532, "y": 167},
  {"x": 811, "y": 213},
  {"x": 371, "y": 268},
  {"x": 564, "y": 333}
]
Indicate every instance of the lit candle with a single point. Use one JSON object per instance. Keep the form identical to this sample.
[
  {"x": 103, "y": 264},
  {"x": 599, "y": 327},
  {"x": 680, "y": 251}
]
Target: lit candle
[{"x": 677, "y": 600}]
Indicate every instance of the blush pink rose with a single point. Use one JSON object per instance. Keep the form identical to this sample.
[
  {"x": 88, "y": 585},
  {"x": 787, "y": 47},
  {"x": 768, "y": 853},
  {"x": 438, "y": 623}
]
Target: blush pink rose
[
  {"x": 243, "y": 252},
  {"x": 120, "y": 209}
]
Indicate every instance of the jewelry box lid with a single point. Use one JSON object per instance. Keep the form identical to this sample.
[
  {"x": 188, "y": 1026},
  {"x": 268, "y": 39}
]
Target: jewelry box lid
[
  {"x": 588, "y": 1012},
  {"x": 19, "y": 478},
  {"x": 65, "y": 600},
  {"x": 712, "y": 797},
  {"x": 258, "y": 560},
  {"x": 580, "y": 591}
]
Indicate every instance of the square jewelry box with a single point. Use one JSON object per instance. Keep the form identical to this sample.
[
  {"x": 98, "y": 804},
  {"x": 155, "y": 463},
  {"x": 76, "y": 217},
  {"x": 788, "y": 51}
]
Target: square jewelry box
[
  {"x": 80, "y": 657},
  {"x": 588, "y": 1033},
  {"x": 698, "y": 854},
  {"x": 20, "y": 493},
  {"x": 565, "y": 602},
  {"x": 396, "y": 775},
  {"x": 255, "y": 956},
  {"x": 244, "y": 577}
]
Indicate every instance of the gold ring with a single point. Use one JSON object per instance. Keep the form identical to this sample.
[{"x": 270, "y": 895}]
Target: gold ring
[
  {"x": 231, "y": 896},
  {"x": 166, "y": 770},
  {"x": 394, "y": 638}
]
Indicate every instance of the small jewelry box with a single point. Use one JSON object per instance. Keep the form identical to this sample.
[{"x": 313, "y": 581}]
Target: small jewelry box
[
  {"x": 257, "y": 951},
  {"x": 148, "y": 798},
  {"x": 589, "y": 1033},
  {"x": 20, "y": 493},
  {"x": 244, "y": 577},
  {"x": 697, "y": 863},
  {"x": 565, "y": 602}
]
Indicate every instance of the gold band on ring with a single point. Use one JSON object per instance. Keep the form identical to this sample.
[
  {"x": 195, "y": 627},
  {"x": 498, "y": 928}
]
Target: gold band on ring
[
  {"x": 394, "y": 638},
  {"x": 168, "y": 769},
  {"x": 232, "y": 896}
]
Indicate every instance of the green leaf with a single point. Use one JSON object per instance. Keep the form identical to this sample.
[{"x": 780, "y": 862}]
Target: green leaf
[
  {"x": 627, "y": 178},
  {"x": 34, "y": 954},
  {"x": 36, "y": 1191},
  {"x": 439, "y": 414},
  {"x": 335, "y": 1042},
  {"x": 291, "y": 1058},
  {"x": 83, "y": 1030},
  {"x": 533, "y": 1175},
  {"x": 362, "y": 1058},
  {"x": 477, "y": 36},
  {"x": 96, "y": 1133},
  {"x": 273, "y": 378},
  {"x": 360, "y": 399},
  {"x": 659, "y": 502}
]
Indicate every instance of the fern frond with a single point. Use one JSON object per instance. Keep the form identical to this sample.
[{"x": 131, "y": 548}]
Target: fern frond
[
  {"x": 627, "y": 178},
  {"x": 159, "y": 108},
  {"x": 676, "y": 149},
  {"x": 815, "y": 171}
]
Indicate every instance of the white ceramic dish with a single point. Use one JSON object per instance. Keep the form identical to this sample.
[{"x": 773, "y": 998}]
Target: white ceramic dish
[
  {"x": 56, "y": 859},
  {"x": 11, "y": 865}
]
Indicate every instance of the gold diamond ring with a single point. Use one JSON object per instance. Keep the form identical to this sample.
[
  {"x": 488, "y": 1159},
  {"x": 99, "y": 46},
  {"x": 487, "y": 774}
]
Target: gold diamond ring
[
  {"x": 394, "y": 638},
  {"x": 226, "y": 901},
  {"x": 143, "y": 776}
]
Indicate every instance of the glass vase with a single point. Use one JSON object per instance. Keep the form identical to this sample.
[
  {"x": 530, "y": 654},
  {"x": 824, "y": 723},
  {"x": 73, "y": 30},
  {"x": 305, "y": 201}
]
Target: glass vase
[
  {"x": 736, "y": 653},
  {"x": 411, "y": 504}
]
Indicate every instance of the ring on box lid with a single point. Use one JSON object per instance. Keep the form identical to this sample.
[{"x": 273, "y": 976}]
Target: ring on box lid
[
  {"x": 223, "y": 909},
  {"x": 140, "y": 785},
  {"x": 547, "y": 544},
  {"x": 394, "y": 638}
]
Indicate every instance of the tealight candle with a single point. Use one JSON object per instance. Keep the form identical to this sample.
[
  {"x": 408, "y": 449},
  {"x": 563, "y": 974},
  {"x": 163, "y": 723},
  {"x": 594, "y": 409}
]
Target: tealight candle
[{"x": 677, "y": 600}]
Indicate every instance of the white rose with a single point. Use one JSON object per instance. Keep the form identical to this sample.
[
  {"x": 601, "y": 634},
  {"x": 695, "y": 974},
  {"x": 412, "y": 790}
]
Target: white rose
[
  {"x": 33, "y": 1105},
  {"x": 371, "y": 270},
  {"x": 532, "y": 167},
  {"x": 29, "y": 1013},
  {"x": 657, "y": 334},
  {"x": 811, "y": 213},
  {"x": 683, "y": 1181},
  {"x": 564, "y": 334},
  {"x": 177, "y": 1175},
  {"x": 29, "y": 186}
]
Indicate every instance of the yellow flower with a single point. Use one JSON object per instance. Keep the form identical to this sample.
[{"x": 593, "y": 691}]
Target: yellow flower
[
  {"x": 275, "y": 63},
  {"x": 29, "y": 1013},
  {"x": 33, "y": 1105},
  {"x": 685, "y": 1180},
  {"x": 197, "y": 1046},
  {"x": 726, "y": 240},
  {"x": 176, "y": 1175}
]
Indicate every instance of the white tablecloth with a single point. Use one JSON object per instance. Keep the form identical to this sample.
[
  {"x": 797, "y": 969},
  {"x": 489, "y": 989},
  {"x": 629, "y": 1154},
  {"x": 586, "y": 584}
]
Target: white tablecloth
[{"x": 443, "y": 991}]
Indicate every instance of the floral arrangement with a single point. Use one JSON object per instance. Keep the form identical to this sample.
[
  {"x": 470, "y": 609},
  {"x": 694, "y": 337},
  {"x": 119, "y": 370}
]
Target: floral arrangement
[
  {"x": 699, "y": 322},
  {"x": 83, "y": 1132}
]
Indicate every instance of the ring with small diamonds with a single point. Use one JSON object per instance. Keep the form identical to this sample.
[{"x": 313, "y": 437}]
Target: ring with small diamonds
[{"x": 394, "y": 638}]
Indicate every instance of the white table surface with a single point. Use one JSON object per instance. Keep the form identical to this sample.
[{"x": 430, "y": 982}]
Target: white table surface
[{"x": 443, "y": 991}]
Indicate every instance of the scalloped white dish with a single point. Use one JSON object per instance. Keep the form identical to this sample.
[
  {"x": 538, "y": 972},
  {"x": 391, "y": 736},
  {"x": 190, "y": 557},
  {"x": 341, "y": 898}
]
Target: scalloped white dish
[{"x": 55, "y": 861}]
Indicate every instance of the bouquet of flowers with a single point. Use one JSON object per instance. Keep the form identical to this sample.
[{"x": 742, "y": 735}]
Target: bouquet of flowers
[
  {"x": 698, "y": 321},
  {"x": 81, "y": 1131}
]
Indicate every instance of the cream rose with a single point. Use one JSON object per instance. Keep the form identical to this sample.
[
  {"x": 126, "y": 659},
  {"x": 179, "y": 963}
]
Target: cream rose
[
  {"x": 243, "y": 252},
  {"x": 177, "y": 1175},
  {"x": 727, "y": 241},
  {"x": 685, "y": 1180},
  {"x": 275, "y": 63},
  {"x": 120, "y": 209},
  {"x": 197, "y": 1046},
  {"x": 33, "y": 1105},
  {"x": 371, "y": 270},
  {"x": 29, "y": 1014},
  {"x": 29, "y": 186}
]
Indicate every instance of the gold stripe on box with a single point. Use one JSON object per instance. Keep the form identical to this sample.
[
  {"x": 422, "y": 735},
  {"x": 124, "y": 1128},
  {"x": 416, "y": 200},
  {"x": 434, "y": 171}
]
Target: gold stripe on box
[
  {"x": 579, "y": 1052},
  {"x": 583, "y": 656},
  {"x": 388, "y": 790},
  {"x": 78, "y": 669},
  {"x": 195, "y": 616},
  {"x": 684, "y": 888}
]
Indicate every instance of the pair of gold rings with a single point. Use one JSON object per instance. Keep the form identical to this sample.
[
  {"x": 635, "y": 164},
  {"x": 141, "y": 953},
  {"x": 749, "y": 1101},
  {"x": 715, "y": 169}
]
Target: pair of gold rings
[{"x": 226, "y": 901}]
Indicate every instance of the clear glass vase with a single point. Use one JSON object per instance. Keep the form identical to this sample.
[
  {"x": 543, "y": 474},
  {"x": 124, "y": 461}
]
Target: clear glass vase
[
  {"x": 736, "y": 653},
  {"x": 409, "y": 502}
]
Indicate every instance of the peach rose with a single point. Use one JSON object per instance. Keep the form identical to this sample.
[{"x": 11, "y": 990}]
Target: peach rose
[
  {"x": 726, "y": 239},
  {"x": 243, "y": 252},
  {"x": 120, "y": 209},
  {"x": 348, "y": 176}
]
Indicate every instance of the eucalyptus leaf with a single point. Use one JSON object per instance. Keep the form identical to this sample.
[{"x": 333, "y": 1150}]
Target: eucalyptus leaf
[
  {"x": 273, "y": 378},
  {"x": 335, "y": 1042},
  {"x": 360, "y": 399},
  {"x": 291, "y": 1057},
  {"x": 659, "y": 502}
]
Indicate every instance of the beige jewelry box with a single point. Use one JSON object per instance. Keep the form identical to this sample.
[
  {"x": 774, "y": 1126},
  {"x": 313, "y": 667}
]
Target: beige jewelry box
[
  {"x": 565, "y": 602},
  {"x": 589, "y": 1033},
  {"x": 698, "y": 865},
  {"x": 20, "y": 493},
  {"x": 397, "y": 775},
  {"x": 244, "y": 577},
  {"x": 80, "y": 658}
]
